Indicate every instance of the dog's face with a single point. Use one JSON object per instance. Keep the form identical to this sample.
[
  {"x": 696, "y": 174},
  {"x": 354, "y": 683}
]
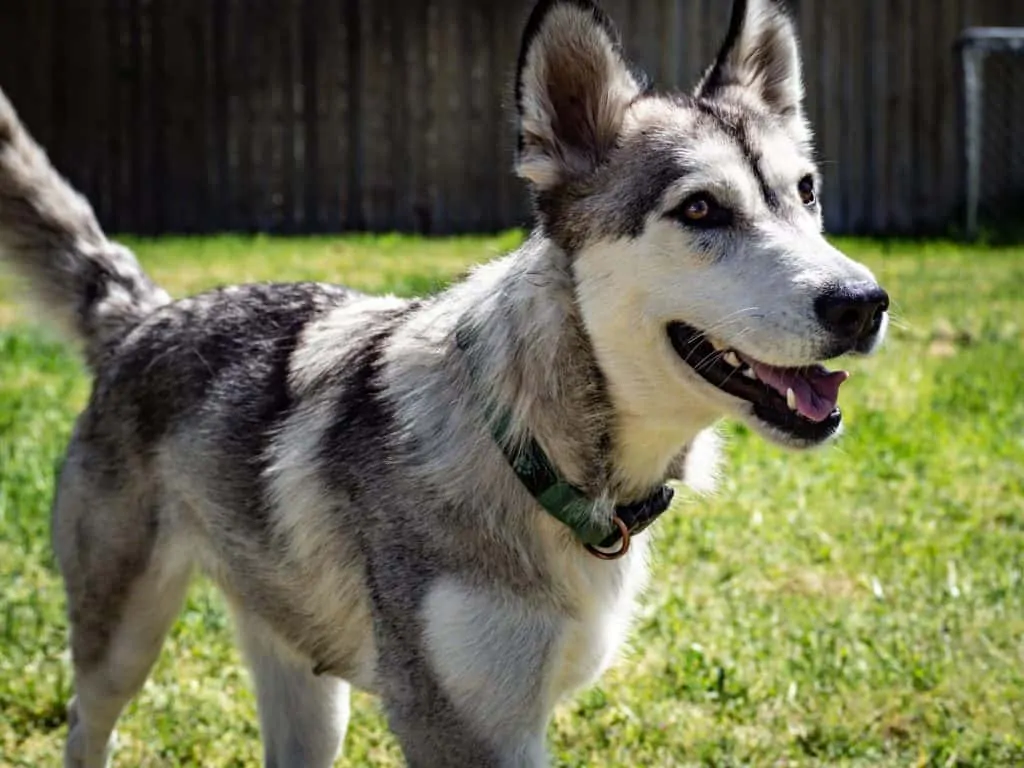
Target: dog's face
[{"x": 694, "y": 223}]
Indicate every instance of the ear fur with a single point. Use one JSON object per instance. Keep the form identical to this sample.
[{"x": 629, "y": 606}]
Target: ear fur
[
  {"x": 573, "y": 87},
  {"x": 759, "y": 60}
]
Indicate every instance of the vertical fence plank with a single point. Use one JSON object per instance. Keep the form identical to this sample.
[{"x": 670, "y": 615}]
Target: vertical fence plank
[
  {"x": 293, "y": 210},
  {"x": 308, "y": 43},
  {"x": 145, "y": 114},
  {"x": 444, "y": 113},
  {"x": 374, "y": 112},
  {"x": 455, "y": 168},
  {"x": 831, "y": 129},
  {"x": 354, "y": 126},
  {"x": 237, "y": 78},
  {"x": 489, "y": 106},
  {"x": 124, "y": 146},
  {"x": 644, "y": 38},
  {"x": 894, "y": 105},
  {"x": 926, "y": 58},
  {"x": 115, "y": 146},
  {"x": 876, "y": 207},
  {"x": 399, "y": 215},
  {"x": 434, "y": 107},
  {"x": 476, "y": 150},
  {"x": 671, "y": 44},
  {"x": 219, "y": 144},
  {"x": 255, "y": 98},
  {"x": 692, "y": 15},
  {"x": 949, "y": 197},
  {"x": 906, "y": 79},
  {"x": 203, "y": 179},
  {"x": 855, "y": 154},
  {"x": 333, "y": 149},
  {"x": 178, "y": 54},
  {"x": 274, "y": 74},
  {"x": 415, "y": 119}
]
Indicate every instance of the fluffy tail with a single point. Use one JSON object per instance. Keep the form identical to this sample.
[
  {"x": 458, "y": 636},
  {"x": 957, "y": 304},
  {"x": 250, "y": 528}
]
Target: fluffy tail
[{"x": 95, "y": 289}]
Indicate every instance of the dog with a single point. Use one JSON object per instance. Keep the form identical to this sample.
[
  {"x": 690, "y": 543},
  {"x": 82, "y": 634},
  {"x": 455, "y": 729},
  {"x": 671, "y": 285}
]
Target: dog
[{"x": 443, "y": 501}]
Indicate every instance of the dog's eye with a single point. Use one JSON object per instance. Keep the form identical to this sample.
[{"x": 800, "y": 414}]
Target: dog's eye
[
  {"x": 806, "y": 189},
  {"x": 697, "y": 209},
  {"x": 702, "y": 210}
]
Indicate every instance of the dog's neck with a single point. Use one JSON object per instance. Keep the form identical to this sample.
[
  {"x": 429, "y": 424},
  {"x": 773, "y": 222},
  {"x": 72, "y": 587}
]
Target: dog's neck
[{"x": 532, "y": 357}]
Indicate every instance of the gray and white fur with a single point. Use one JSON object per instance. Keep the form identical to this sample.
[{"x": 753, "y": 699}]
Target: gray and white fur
[{"x": 325, "y": 457}]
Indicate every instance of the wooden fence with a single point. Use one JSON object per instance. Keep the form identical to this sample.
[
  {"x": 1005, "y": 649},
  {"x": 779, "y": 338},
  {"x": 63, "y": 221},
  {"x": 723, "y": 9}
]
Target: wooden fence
[{"x": 332, "y": 115}]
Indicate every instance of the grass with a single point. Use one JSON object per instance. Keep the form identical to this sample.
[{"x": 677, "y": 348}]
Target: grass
[{"x": 862, "y": 605}]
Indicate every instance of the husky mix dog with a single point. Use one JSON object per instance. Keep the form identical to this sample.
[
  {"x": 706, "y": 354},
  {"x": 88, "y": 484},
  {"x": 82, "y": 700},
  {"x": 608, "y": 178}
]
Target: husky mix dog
[{"x": 440, "y": 501}]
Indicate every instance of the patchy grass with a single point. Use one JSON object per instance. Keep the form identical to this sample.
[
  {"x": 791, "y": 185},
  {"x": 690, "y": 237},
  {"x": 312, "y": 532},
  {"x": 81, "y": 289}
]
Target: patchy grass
[{"x": 858, "y": 606}]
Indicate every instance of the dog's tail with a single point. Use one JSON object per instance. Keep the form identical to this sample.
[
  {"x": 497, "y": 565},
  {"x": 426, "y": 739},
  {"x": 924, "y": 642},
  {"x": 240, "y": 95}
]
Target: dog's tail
[{"x": 93, "y": 288}]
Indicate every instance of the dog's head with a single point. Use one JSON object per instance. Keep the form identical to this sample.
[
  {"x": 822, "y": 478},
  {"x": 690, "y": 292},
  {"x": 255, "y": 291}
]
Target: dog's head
[{"x": 694, "y": 222}]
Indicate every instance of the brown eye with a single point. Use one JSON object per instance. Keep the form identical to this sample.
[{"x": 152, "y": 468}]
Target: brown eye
[
  {"x": 701, "y": 211},
  {"x": 806, "y": 189},
  {"x": 697, "y": 209}
]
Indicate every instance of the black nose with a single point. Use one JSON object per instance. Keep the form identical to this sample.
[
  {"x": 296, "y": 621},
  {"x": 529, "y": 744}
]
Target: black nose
[{"x": 853, "y": 312}]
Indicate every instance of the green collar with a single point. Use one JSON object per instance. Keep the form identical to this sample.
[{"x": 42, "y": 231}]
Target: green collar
[{"x": 560, "y": 498}]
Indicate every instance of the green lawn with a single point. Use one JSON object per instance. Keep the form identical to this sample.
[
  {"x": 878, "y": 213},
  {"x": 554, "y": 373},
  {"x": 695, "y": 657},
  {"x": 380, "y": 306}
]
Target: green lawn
[{"x": 860, "y": 605}]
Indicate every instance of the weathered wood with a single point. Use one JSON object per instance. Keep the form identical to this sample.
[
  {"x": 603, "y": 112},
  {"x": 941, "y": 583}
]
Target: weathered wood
[
  {"x": 923, "y": 132},
  {"x": 331, "y": 115},
  {"x": 831, "y": 125},
  {"x": 877, "y": 120},
  {"x": 376, "y": 77},
  {"x": 856, "y": 95},
  {"x": 689, "y": 36}
]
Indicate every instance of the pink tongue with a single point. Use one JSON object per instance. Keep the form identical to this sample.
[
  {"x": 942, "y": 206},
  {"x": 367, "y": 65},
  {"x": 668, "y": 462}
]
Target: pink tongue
[{"x": 816, "y": 389}]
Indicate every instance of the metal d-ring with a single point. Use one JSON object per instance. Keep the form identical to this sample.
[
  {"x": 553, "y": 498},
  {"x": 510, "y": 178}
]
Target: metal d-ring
[{"x": 622, "y": 550}]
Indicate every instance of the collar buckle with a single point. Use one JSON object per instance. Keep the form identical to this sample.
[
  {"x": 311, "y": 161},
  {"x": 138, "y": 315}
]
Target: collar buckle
[{"x": 615, "y": 554}]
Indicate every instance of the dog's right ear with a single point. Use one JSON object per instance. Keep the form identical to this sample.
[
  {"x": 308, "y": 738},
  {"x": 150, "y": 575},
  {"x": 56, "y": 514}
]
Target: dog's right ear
[
  {"x": 573, "y": 87},
  {"x": 760, "y": 59}
]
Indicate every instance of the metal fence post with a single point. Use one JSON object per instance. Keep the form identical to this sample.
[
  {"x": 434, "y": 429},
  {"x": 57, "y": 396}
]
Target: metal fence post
[
  {"x": 976, "y": 45},
  {"x": 973, "y": 60}
]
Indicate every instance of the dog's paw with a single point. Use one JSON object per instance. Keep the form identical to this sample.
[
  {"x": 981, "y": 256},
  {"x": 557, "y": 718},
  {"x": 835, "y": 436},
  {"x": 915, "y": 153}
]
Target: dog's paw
[{"x": 79, "y": 753}]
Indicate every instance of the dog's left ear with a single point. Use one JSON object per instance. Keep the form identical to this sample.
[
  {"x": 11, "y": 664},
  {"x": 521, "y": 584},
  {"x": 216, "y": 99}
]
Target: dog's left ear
[
  {"x": 760, "y": 60},
  {"x": 573, "y": 87}
]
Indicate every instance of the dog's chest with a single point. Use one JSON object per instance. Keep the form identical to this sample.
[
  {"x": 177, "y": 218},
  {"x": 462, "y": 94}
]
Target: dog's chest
[{"x": 603, "y": 595}]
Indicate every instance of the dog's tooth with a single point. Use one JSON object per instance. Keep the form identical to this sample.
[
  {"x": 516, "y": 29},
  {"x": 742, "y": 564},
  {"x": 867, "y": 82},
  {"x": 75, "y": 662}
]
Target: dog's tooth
[
  {"x": 791, "y": 399},
  {"x": 732, "y": 359},
  {"x": 749, "y": 372}
]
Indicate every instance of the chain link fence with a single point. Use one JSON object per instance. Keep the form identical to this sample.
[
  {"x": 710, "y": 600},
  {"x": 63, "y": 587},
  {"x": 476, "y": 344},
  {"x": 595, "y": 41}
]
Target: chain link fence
[{"x": 992, "y": 60}]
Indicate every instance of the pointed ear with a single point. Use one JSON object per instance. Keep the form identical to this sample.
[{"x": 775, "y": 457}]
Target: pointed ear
[
  {"x": 573, "y": 87},
  {"x": 759, "y": 59}
]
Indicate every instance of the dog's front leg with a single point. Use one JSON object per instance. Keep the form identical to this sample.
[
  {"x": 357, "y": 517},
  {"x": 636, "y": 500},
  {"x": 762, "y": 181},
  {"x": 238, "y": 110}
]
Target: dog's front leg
[{"x": 475, "y": 691}]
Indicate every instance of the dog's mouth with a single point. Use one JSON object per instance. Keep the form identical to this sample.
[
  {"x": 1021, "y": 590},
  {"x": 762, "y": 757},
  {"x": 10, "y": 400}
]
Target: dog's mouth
[{"x": 800, "y": 402}]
